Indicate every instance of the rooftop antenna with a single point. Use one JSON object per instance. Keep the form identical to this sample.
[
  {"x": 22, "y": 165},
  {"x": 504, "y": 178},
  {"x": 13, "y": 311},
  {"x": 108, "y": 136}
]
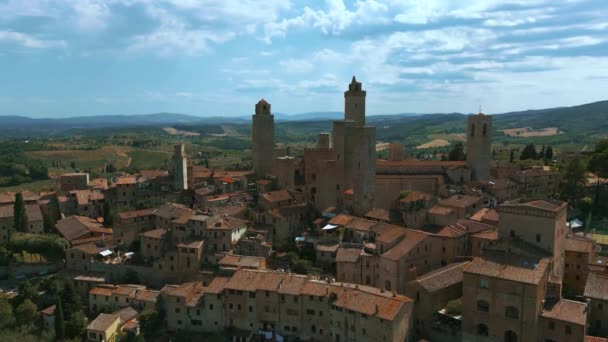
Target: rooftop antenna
[{"x": 480, "y": 109}]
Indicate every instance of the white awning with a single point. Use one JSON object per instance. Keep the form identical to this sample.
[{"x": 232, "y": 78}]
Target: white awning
[
  {"x": 576, "y": 223},
  {"x": 330, "y": 227},
  {"x": 300, "y": 239},
  {"x": 105, "y": 253}
]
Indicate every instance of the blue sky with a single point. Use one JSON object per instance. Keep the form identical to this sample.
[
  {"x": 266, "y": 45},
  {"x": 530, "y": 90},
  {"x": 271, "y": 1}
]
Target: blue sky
[{"x": 63, "y": 58}]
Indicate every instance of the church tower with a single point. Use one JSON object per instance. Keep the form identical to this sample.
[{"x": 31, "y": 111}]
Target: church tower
[
  {"x": 354, "y": 103},
  {"x": 180, "y": 167},
  {"x": 479, "y": 145},
  {"x": 262, "y": 138}
]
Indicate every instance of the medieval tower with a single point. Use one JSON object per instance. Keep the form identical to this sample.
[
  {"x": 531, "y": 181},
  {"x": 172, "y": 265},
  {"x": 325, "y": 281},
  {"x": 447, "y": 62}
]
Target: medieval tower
[
  {"x": 180, "y": 168},
  {"x": 479, "y": 145},
  {"x": 355, "y": 152},
  {"x": 262, "y": 138}
]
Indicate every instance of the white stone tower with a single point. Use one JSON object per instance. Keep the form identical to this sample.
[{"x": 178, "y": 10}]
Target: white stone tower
[
  {"x": 180, "y": 167},
  {"x": 479, "y": 145},
  {"x": 262, "y": 134}
]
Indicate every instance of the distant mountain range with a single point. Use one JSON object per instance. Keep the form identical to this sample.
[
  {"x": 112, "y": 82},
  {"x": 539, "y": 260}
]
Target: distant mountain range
[{"x": 579, "y": 117}]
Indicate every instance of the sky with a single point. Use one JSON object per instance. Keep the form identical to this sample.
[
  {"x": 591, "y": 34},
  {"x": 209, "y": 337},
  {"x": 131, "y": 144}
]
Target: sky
[{"x": 61, "y": 58}]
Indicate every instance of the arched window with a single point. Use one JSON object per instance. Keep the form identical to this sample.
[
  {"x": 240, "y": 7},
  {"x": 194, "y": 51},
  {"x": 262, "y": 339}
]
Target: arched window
[
  {"x": 485, "y": 129},
  {"x": 387, "y": 285},
  {"x": 472, "y": 130},
  {"x": 483, "y": 306},
  {"x": 511, "y": 312},
  {"x": 510, "y": 336},
  {"x": 482, "y": 330}
]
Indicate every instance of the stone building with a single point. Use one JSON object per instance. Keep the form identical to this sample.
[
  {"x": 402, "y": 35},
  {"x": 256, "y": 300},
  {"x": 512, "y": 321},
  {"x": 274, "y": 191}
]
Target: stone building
[
  {"x": 262, "y": 139},
  {"x": 289, "y": 306},
  {"x": 479, "y": 145},
  {"x": 74, "y": 181},
  {"x": 180, "y": 168}
]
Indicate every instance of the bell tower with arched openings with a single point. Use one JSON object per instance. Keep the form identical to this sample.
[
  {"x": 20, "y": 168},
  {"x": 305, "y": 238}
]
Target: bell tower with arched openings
[
  {"x": 479, "y": 145},
  {"x": 262, "y": 134}
]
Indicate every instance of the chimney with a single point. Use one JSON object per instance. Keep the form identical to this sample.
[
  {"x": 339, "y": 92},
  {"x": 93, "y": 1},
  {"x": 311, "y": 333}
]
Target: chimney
[{"x": 377, "y": 309}]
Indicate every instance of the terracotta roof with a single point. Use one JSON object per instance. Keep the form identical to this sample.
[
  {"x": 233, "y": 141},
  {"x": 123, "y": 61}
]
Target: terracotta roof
[
  {"x": 416, "y": 196},
  {"x": 249, "y": 280},
  {"x": 7, "y": 211},
  {"x": 146, "y": 295},
  {"x": 538, "y": 204},
  {"x": 74, "y": 227},
  {"x": 277, "y": 196},
  {"x": 126, "y": 180},
  {"x": 473, "y": 227},
  {"x": 227, "y": 223},
  {"x": 360, "y": 224},
  {"x": 103, "y": 322},
  {"x": 137, "y": 213},
  {"x": 127, "y": 314},
  {"x": 412, "y": 239},
  {"x": 348, "y": 254},
  {"x": 530, "y": 274},
  {"x": 597, "y": 286},
  {"x": 388, "y": 233},
  {"x": 341, "y": 220},
  {"x": 101, "y": 291},
  {"x": 193, "y": 244},
  {"x": 155, "y": 233},
  {"x": 485, "y": 214},
  {"x": 232, "y": 260},
  {"x": 577, "y": 243},
  {"x": 452, "y": 231},
  {"x": 228, "y": 180},
  {"x": 292, "y": 285},
  {"x": 49, "y": 311},
  {"x": 378, "y": 214},
  {"x": 171, "y": 211},
  {"x": 439, "y": 210},
  {"x": 595, "y": 339},
  {"x": 217, "y": 285},
  {"x": 442, "y": 278},
  {"x": 264, "y": 181},
  {"x": 486, "y": 235},
  {"x": 89, "y": 248},
  {"x": 460, "y": 201},
  {"x": 372, "y": 305},
  {"x": 566, "y": 311},
  {"x": 349, "y": 192}
]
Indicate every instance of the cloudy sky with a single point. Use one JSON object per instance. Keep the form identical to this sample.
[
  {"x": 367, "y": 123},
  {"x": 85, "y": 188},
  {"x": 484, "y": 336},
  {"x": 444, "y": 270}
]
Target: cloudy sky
[{"x": 218, "y": 57}]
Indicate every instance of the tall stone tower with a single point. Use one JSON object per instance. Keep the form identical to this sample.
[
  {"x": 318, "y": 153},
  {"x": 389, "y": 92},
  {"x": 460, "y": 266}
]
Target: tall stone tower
[
  {"x": 354, "y": 103},
  {"x": 180, "y": 167},
  {"x": 262, "y": 138},
  {"x": 479, "y": 145},
  {"x": 355, "y": 151}
]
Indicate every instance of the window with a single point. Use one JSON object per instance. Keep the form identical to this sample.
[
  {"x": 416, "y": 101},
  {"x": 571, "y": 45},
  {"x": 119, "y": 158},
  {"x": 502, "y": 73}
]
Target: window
[
  {"x": 483, "y": 306},
  {"x": 473, "y": 130},
  {"x": 510, "y": 336},
  {"x": 387, "y": 285},
  {"x": 598, "y": 324},
  {"x": 485, "y": 129},
  {"x": 483, "y": 283},
  {"x": 363, "y": 332},
  {"x": 568, "y": 330},
  {"x": 600, "y": 306},
  {"x": 211, "y": 307},
  {"x": 512, "y": 233},
  {"x": 537, "y": 238},
  {"x": 511, "y": 312},
  {"x": 482, "y": 330},
  {"x": 250, "y": 308}
]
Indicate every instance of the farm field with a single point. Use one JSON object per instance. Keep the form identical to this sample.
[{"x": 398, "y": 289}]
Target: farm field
[{"x": 85, "y": 159}]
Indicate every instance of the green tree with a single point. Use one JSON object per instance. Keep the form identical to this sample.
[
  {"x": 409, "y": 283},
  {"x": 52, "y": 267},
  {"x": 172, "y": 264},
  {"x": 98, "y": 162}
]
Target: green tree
[
  {"x": 457, "y": 152},
  {"x": 75, "y": 326},
  {"x": 148, "y": 323},
  {"x": 585, "y": 204},
  {"x": 107, "y": 214},
  {"x": 59, "y": 321},
  {"x": 598, "y": 164},
  {"x": 573, "y": 180},
  {"x": 541, "y": 154},
  {"x": 25, "y": 313},
  {"x": 26, "y": 292},
  {"x": 6, "y": 314},
  {"x": 529, "y": 152},
  {"x": 19, "y": 214},
  {"x": 549, "y": 154},
  {"x": 512, "y": 156}
]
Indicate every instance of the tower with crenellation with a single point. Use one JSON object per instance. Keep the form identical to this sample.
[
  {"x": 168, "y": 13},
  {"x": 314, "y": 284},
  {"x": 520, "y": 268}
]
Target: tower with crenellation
[
  {"x": 262, "y": 139},
  {"x": 180, "y": 167}
]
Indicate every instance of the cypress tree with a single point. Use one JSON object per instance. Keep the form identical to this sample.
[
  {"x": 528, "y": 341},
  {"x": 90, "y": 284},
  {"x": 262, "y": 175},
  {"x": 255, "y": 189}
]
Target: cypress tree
[
  {"x": 19, "y": 214},
  {"x": 59, "y": 321}
]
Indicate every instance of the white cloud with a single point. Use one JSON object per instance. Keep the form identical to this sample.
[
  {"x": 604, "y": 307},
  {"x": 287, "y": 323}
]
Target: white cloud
[
  {"x": 28, "y": 40},
  {"x": 296, "y": 65}
]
